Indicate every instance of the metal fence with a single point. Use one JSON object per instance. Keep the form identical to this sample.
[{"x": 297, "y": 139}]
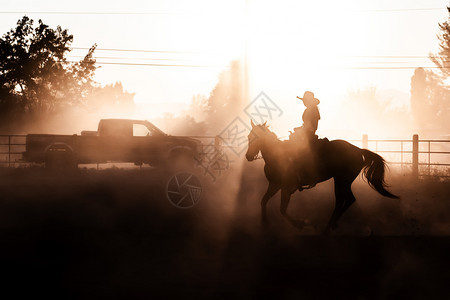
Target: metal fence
[
  {"x": 11, "y": 150},
  {"x": 420, "y": 157}
]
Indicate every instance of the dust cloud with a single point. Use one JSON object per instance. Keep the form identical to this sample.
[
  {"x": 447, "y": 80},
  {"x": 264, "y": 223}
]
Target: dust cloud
[
  {"x": 113, "y": 233},
  {"x": 103, "y": 233},
  {"x": 116, "y": 230}
]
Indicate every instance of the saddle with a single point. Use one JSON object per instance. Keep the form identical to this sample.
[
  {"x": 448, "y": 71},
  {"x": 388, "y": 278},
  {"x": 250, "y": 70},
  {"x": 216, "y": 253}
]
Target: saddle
[
  {"x": 306, "y": 150},
  {"x": 302, "y": 140}
]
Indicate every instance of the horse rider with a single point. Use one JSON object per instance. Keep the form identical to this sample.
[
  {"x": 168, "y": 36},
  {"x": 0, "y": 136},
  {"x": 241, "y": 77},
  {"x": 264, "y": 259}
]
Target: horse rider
[
  {"x": 311, "y": 115},
  {"x": 305, "y": 161}
]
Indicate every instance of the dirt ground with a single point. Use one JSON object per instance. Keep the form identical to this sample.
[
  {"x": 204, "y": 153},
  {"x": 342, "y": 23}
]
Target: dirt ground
[{"x": 113, "y": 234}]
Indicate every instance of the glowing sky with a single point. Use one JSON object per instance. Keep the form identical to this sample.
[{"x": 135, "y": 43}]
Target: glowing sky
[{"x": 292, "y": 46}]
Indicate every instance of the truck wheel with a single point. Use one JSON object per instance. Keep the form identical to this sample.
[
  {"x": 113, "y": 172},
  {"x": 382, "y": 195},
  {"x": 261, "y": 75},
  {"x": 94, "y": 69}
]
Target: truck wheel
[{"x": 59, "y": 159}]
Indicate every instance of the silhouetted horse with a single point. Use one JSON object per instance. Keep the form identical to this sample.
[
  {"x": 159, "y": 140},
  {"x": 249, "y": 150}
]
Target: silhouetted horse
[{"x": 337, "y": 159}]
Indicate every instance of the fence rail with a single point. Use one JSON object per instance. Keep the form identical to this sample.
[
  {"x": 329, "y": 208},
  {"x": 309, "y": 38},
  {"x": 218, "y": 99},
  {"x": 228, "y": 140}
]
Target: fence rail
[
  {"x": 424, "y": 157},
  {"x": 11, "y": 149}
]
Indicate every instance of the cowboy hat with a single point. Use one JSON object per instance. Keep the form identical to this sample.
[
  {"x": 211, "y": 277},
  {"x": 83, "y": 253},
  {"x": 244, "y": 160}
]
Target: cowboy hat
[{"x": 308, "y": 98}]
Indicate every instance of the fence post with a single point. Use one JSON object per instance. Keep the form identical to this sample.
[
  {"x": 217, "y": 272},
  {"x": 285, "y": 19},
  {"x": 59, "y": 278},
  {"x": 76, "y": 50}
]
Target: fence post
[
  {"x": 365, "y": 141},
  {"x": 415, "y": 156},
  {"x": 9, "y": 151}
]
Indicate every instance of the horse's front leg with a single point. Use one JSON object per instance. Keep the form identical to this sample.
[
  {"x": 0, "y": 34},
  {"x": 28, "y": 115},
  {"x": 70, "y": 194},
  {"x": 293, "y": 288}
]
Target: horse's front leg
[
  {"x": 272, "y": 189},
  {"x": 285, "y": 198}
]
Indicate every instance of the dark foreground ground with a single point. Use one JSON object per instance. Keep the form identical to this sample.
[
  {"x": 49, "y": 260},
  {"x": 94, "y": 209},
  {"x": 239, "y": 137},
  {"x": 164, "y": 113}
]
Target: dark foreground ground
[{"x": 113, "y": 234}]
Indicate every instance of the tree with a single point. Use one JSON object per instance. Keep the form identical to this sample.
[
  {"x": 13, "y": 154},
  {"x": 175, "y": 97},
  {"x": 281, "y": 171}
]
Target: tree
[
  {"x": 226, "y": 100},
  {"x": 430, "y": 91},
  {"x": 442, "y": 58},
  {"x": 36, "y": 79},
  {"x": 210, "y": 115},
  {"x": 198, "y": 107},
  {"x": 111, "y": 98},
  {"x": 419, "y": 106},
  {"x": 372, "y": 112}
]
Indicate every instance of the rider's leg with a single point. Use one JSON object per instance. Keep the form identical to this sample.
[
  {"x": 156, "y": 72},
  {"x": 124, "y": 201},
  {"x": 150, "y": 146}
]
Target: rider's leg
[{"x": 306, "y": 174}]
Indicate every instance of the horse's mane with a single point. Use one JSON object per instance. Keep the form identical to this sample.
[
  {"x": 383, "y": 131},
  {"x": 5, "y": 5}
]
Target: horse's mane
[{"x": 266, "y": 129}]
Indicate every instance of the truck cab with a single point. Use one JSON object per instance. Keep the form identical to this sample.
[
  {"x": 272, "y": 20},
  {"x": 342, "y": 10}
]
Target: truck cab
[{"x": 125, "y": 127}]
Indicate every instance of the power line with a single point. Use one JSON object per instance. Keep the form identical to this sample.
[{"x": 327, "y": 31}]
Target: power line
[
  {"x": 401, "y": 9},
  {"x": 212, "y": 66},
  {"x": 398, "y": 62},
  {"x": 395, "y": 62},
  {"x": 132, "y": 50},
  {"x": 209, "y": 66},
  {"x": 388, "y": 68},
  {"x": 153, "y": 65},
  {"x": 191, "y": 13},
  {"x": 94, "y": 13},
  {"x": 168, "y": 59},
  {"x": 178, "y": 59},
  {"x": 386, "y": 56},
  {"x": 130, "y": 58},
  {"x": 366, "y": 62},
  {"x": 192, "y": 52}
]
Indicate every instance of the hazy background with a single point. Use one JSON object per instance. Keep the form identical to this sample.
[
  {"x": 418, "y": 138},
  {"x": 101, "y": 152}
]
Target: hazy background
[
  {"x": 191, "y": 67},
  {"x": 358, "y": 57}
]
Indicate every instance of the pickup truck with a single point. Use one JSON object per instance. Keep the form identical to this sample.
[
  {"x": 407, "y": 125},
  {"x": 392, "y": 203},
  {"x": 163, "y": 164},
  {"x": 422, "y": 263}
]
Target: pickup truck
[{"x": 116, "y": 140}]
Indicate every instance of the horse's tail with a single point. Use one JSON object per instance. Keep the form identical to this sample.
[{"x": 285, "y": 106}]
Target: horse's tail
[{"x": 374, "y": 171}]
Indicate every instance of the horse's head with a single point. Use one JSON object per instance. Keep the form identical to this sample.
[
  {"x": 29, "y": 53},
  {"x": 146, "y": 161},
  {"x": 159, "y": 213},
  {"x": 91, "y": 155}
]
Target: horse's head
[{"x": 255, "y": 140}]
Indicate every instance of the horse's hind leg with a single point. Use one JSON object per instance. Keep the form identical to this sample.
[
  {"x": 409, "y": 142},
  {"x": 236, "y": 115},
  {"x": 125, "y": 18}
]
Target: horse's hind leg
[
  {"x": 344, "y": 199},
  {"x": 272, "y": 189}
]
